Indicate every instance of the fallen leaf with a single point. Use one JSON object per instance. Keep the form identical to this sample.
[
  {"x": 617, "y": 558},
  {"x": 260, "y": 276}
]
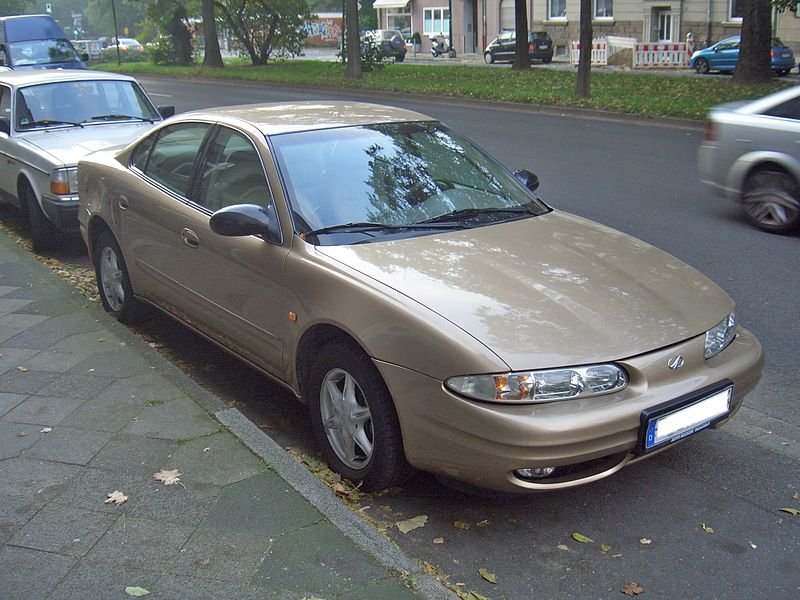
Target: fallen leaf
[
  {"x": 483, "y": 523},
  {"x": 796, "y": 496},
  {"x": 116, "y": 497},
  {"x": 46, "y": 430},
  {"x": 632, "y": 589},
  {"x": 706, "y": 528},
  {"x": 490, "y": 577},
  {"x": 562, "y": 547},
  {"x": 411, "y": 524},
  {"x": 792, "y": 511},
  {"x": 605, "y": 548},
  {"x": 22, "y": 434},
  {"x": 461, "y": 525},
  {"x": 22, "y": 369},
  {"x": 752, "y": 545},
  {"x": 645, "y": 541},
  {"x": 170, "y": 477},
  {"x": 438, "y": 540},
  {"x": 136, "y": 591},
  {"x": 579, "y": 537},
  {"x": 206, "y": 449}
]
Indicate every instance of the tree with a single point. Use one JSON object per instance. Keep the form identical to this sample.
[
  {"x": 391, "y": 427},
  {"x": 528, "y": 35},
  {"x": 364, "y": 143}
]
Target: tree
[
  {"x": 212, "y": 56},
  {"x": 266, "y": 28},
  {"x": 585, "y": 59},
  {"x": 174, "y": 44},
  {"x": 130, "y": 15},
  {"x": 753, "y": 66},
  {"x": 522, "y": 59},
  {"x": 13, "y": 7},
  {"x": 352, "y": 41}
]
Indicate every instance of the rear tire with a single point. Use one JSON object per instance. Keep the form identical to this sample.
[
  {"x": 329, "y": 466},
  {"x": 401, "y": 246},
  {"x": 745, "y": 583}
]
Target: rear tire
[
  {"x": 701, "y": 66},
  {"x": 771, "y": 201},
  {"x": 43, "y": 234},
  {"x": 353, "y": 418},
  {"x": 113, "y": 281}
]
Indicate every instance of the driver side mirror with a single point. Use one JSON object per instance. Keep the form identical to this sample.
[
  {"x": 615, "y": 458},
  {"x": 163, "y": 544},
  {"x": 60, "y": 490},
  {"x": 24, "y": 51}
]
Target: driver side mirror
[
  {"x": 241, "y": 220},
  {"x": 528, "y": 179}
]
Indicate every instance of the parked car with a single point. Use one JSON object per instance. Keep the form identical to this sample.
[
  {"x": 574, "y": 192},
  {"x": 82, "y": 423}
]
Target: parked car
[
  {"x": 36, "y": 42},
  {"x": 724, "y": 55},
  {"x": 48, "y": 120},
  {"x": 431, "y": 310},
  {"x": 751, "y": 155},
  {"x": 127, "y": 45},
  {"x": 389, "y": 41},
  {"x": 503, "y": 47}
]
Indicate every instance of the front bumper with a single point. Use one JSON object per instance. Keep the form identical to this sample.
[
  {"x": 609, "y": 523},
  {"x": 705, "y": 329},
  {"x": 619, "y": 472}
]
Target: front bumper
[
  {"x": 62, "y": 212},
  {"x": 483, "y": 444}
]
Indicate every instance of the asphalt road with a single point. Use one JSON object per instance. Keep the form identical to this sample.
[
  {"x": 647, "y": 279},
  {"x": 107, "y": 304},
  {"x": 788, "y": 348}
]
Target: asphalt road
[{"x": 651, "y": 523}]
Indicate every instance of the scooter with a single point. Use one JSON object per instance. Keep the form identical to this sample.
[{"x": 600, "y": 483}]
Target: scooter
[{"x": 441, "y": 45}]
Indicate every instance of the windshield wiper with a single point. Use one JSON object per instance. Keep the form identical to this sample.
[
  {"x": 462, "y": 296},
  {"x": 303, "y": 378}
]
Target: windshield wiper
[
  {"x": 48, "y": 122},
  {"x": 367, "y": 227},
  {"x": 465, "y": 214},
  {"x": 116, "y": 117}
]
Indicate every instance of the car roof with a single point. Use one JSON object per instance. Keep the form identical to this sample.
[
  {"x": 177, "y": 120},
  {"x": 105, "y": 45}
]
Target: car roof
[
  {"x": 282, "y": 117},
  {"x": 33, "y": 76}
]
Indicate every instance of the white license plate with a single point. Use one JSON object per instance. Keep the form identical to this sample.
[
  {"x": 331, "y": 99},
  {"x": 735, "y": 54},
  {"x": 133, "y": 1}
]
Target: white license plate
[{"x": 687, "y": 419}]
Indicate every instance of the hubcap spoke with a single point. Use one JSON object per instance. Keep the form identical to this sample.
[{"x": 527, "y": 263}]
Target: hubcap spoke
[{"x": 346, "y": 419}]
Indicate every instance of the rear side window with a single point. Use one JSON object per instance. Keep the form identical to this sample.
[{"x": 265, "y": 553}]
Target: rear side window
[
  {"x": 786, "y": 110},
  {"x": 172, "y": 155}
]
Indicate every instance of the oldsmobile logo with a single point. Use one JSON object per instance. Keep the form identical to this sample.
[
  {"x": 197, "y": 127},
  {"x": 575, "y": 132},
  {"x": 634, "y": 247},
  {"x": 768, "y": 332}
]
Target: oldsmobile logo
[{"x": 676, "y": 362}]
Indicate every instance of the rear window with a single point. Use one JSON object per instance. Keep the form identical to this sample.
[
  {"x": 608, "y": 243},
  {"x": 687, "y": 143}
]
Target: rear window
[{"x": 777, "y": 43}]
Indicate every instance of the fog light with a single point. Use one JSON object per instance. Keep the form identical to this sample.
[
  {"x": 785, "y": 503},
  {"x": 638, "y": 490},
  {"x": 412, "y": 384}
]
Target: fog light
[{"x": 534, "y": 473}]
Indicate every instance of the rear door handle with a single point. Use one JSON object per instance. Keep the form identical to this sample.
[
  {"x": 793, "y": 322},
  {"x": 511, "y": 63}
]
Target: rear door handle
[{"x": 190, "y": 238}]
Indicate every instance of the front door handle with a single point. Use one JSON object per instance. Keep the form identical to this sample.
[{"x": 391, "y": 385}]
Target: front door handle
[
  {"x": 190, "y": 238},
  {"x": 122, "y": 201}
]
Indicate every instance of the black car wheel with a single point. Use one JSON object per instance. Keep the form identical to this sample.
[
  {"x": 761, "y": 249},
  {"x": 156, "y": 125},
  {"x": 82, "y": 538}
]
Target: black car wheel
[
  {"x": 43, "y": 233},
  {"x": 113, "y": 281},
  {"x": 771, "y": 201},
  {"x": 488, "y": 57},
  {"x": 701, "y": 66},
  {"x": 353, "y": 418}
]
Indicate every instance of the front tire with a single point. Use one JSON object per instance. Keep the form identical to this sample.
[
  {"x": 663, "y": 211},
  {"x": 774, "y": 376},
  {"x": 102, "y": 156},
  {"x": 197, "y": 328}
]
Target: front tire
[
  {"x": 701, "y": 66},
  {"x": 353, "y": 418},
  {"x": 43, "y": 234},
  {"x": 771, "y": 201},
  {"x": 113, "y": 281},
  {"x": 488, "y": 57}
]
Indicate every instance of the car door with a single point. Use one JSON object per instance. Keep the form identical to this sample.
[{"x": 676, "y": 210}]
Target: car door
[
  {"x": 8, "y": 173},
  {"x": 726, "y": 56},
  {"x": 506, "y": 46}
]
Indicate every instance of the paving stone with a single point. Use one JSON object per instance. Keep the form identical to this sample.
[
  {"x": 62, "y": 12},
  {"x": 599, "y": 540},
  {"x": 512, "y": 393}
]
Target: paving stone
[
  {"x": 141, "y": 389},
  {"x": 30, "y": 574},
  {"x": 103, "y": 414},
  {"x": 10, "y": 305},
  {"x": 76, "y": 322},
  {"x": 219, "y": 458},
  {"x": 56, "y": 361},
  {"x": 133, "y": 454},
  {"x": 214, "y": 554},
  {"x": 25, "y": 382},
  {"x": 5, "y": 290},
  {"x": 39, "y": 480},
  {"x": 15, "y": 357},
  {"x": 316, "y": 560},
  {"x": 89, "y": 342},
  {"x": 64, "y": 530},
  {"x": 64, "y": 444},
  {"x": 386, "y": 589},
  {"x": 88, "y": 581},
  {"x": 9, "y": 401},
  {"x": 43, "y": 410},
  {"x": 173, "y": 420},
  {"x": 39, "y": 339},
  {"x": 261, "y": 506},
  {"x": 51, "y": 306},
  {"x": 140, "y": 544},
  {"x": 184, "y": 503},
  {"x": 181, "y": 587},
  {"x": 115, "y": 362},
  {"x": 21, "y": 321},
  {"x": 16, "y": 437},
  {"x": 89, "y": 489},
  {"x": 75, "y": 385}
]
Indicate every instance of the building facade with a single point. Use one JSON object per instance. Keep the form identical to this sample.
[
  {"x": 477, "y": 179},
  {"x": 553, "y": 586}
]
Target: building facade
[{"x": 475, "y": 23}]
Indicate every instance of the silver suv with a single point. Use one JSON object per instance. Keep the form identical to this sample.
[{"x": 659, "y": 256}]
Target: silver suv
[{"x": 751, "y": 154}]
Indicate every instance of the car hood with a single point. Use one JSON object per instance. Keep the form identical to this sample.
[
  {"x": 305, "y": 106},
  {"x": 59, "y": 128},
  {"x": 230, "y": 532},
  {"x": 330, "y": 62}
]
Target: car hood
[
  {"x": 69, "y": 144},
  {"x": 549, "y": 291}
]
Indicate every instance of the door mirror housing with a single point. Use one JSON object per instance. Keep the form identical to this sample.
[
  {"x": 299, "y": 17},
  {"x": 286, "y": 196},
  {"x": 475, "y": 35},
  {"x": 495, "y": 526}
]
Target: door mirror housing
[
  {"x": 240, "y": 220},
  {"x": 528, "y": 179}
]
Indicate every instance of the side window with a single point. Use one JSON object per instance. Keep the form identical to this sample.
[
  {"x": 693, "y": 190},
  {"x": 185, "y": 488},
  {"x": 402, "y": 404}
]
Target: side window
[
  {"x": 5, "y": 103},
  {"x": 788, "y": 110},
  {"x": 173, "y": 154},
  {"x": 232, "y": 174}
]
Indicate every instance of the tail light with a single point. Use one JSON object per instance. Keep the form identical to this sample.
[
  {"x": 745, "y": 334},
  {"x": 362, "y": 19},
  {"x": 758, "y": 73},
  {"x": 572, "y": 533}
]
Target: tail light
[
  {"x": 772, "y": 54},
  {"x": 709, "y": 132},
  {"x": 530, "y": 47}
]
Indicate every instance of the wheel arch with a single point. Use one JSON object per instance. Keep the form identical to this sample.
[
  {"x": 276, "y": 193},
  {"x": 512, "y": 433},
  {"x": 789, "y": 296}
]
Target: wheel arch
[
  {"x": 754, "y": 162},
  {"x": 96, "y": 227},
  {"x": 314, "y": 337},
  {"x": 25, "y": 180}
]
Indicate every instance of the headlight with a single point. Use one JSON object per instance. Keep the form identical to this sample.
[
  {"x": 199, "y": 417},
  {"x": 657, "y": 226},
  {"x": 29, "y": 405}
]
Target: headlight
[
  {"x": 541, "y": 386},
  {"x": 719, "y": 336},
  {"x": 64, "y": 182}
]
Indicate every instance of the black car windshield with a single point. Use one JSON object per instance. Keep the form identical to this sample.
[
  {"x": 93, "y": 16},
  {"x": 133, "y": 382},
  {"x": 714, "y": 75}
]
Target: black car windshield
[
  {"x": 396, "y": 175},
  {"x": 81, "y": 102}
]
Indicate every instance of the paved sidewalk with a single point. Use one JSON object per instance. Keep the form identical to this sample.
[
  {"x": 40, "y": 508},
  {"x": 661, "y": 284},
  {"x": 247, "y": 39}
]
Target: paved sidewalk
[{"x": 88, "y": 409}]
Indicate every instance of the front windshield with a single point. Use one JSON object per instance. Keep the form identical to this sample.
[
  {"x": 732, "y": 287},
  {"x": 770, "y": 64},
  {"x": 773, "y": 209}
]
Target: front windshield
[
  {"x": 42, "y": 52},
  {"x": 81, "y": 102},
  {"x": 398, "y": 175}
]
